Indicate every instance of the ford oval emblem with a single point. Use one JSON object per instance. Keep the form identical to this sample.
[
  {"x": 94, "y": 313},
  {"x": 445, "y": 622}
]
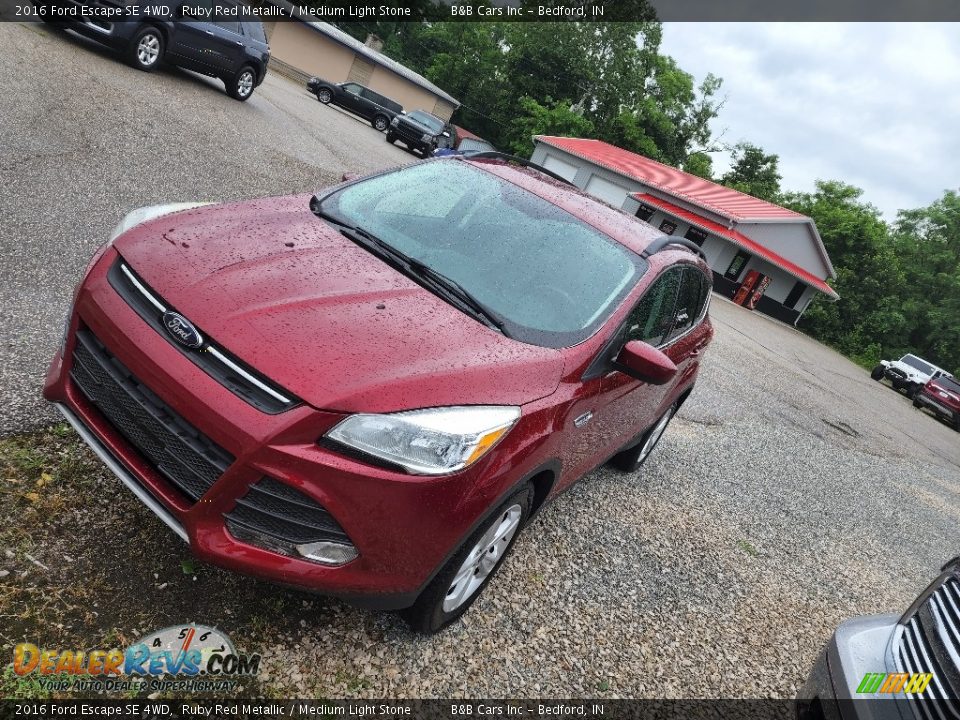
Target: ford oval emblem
[{"x": 181, "y": 329}]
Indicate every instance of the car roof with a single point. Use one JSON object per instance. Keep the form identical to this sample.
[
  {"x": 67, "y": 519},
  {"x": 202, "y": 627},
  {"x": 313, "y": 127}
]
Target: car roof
[{"x": 626, "y": 229}]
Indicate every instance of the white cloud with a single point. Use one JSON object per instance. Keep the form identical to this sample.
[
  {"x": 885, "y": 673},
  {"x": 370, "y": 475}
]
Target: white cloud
[{"x": 872, "y": 104}]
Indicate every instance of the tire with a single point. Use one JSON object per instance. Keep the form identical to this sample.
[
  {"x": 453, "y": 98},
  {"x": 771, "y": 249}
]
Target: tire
[
  {"x": 956, "y": 423},
  {"x": 631, "y": 459},
  {"x": 324, "y": 95},
  {"x": 877, "y": 372},
  {"x": 391, "y": 138},
  {"x": 440, "y": 603},
  {"x": 917, "y": 403},
  {"x": 380, "y": 122},
  {"x": 146, "y": 49},
  {"x": 240, "y": 86},
  {"x": 912, "y": 390}
]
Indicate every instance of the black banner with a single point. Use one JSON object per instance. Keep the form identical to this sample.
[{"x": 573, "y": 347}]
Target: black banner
[
  {"x": 162, "y": 709},
  {"x": 337, "y": 11}
]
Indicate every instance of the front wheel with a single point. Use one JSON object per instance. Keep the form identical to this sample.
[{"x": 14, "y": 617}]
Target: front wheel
[
  {"x": 324, "y": 95},
  {"x": 877, "y": 372},
  {"x": 467, "y": 573},
  {"x": 630, "y": 460},
  {"x": 146, "y": 49},
  {"x": 380, "y": 123},
  {"x": 240, "y": 87}
]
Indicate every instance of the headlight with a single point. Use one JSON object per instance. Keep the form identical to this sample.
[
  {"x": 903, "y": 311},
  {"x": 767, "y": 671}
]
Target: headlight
[
  {"x": 428, "y": 442},
  {"x": 150, "y": 212},
  {"x": 395, "y": 122},
  {"x": 426, "y": 137}
]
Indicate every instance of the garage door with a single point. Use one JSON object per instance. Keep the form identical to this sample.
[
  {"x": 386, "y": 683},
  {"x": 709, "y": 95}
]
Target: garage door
[
  {"x": 561, "y": 167},
  {"x": 607, "y": 191}
]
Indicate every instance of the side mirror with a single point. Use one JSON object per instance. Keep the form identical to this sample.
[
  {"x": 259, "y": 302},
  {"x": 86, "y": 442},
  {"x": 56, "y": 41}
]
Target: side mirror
[
  {"x": 348, "y": 176},
  {"x": 644, "y": 362}
]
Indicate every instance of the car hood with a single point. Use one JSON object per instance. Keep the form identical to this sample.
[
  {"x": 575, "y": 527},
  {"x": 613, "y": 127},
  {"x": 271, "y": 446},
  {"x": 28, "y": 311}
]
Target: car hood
[
  {"x": 418, "y": 125},
  {"x": 289, "y": 294}
]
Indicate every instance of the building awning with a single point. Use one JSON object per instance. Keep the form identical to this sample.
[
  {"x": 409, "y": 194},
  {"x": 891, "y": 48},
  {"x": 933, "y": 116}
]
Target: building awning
[{"x": 738, "y": 238}]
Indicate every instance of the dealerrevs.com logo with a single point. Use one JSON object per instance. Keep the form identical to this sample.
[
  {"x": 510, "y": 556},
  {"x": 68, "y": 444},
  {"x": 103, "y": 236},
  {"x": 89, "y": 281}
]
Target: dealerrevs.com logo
[{"x": 189, "y": 657}]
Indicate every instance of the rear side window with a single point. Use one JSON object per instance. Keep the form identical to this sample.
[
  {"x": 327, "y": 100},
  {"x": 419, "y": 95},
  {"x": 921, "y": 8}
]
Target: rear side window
[
  {"x": 693, "y": 296},
  {"x": 653, "y": 316},
  {"x": 255, "y": 30}
]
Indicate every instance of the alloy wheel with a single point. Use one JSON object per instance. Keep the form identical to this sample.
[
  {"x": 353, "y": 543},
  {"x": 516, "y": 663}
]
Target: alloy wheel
[
  {"x": 245, "y": 83},
  {"x": 148, "y": 49},
  {"x": 654, "y": 437},
  {"x": 483, "y": 558}
]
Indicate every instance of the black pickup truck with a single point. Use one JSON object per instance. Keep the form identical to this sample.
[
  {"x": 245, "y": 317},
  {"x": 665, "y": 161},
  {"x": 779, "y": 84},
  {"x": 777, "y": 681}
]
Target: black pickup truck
[
  {"x": 421, "y": 132},
  {"x": 359, "y": 100}
]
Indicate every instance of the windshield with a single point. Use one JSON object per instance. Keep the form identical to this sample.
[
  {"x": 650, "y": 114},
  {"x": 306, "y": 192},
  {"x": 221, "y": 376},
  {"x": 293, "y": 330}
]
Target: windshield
[
  {"x": 551, "y": 279},
  {"x": 918, "y": 364},
  {"x": 430, "y": 121}
]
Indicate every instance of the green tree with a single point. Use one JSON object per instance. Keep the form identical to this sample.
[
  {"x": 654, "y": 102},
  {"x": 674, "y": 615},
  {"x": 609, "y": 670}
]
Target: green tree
[
  {"x": 550, "y": 119},
  {"x": 928, "y": 242},
  {"x": 754, "y": 172},
  {"x": 699, "y": 164},
  {"x": 868, "y": 321}
]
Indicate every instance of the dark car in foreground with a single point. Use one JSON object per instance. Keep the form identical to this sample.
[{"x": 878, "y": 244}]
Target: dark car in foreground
[
  {"x": 229, "y": 48},
  {"x": 360, "y": 100},
  {"x": 892, "y": 667},
  {"x": 942, "y": 397},
  {"x": 421, "y": 132},
  {"x": 369, "y": 392}
]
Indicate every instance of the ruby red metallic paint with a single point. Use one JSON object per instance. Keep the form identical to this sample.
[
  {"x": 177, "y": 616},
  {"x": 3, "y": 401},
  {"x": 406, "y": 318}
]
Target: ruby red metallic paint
[{"x": 292, "y": 297}]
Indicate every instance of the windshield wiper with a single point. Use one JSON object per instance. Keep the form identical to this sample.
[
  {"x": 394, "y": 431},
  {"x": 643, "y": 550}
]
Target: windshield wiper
[{"x": 418, "y": 270}]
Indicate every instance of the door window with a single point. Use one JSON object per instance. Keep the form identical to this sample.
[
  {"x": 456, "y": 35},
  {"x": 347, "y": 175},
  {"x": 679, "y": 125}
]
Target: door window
[
  {"x": 353, "y": 88},
  {"x": 650, "y": 321},
  {"x": 736, "y": 266},
  {"x": 690, "y": 302}
]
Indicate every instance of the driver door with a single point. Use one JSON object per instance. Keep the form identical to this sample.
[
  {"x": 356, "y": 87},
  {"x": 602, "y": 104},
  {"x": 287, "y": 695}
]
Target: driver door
[{"x": 614, "y": 407}]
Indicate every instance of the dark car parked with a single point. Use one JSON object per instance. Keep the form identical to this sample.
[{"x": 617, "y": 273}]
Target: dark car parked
[
  {"x": 234, "y": 50},
  {"x": 360, "y": 100},
  {"x": 421, "y": 132}
]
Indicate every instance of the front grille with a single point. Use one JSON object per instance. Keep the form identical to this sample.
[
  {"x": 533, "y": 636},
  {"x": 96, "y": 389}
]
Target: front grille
[
  {"x": 928, "y": 642},
  {"x": 286, "y": 515},
  {"x": 189, "y": 460},
  {"x": 899, "y": 373},
  {"x": 224, "y": 367}
]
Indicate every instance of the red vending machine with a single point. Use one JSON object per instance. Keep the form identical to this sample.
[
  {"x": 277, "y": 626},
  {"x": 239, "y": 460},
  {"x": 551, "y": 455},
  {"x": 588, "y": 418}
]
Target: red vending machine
[{"x": 751, "y": 289}]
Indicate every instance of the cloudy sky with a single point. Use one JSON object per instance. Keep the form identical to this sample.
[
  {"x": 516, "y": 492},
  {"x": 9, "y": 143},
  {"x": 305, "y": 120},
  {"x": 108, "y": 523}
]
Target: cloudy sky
[{"x": 875, "y": 105}]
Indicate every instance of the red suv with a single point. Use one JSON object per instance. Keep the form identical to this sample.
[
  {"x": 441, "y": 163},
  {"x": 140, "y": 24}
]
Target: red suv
[
  {"x": 369, "y": 392},
  {"x": 942, "y": 397}
]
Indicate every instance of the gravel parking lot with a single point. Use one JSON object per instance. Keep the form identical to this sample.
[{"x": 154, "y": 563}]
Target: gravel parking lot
[{"x": 790, "y": 493}]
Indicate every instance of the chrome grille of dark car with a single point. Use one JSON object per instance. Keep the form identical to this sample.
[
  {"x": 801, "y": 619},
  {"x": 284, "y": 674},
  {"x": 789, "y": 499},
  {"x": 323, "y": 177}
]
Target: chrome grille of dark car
[
  {"x": 927, "y": 643},
  {"x": 188, "y": 459},
  {"x": 284, "y": 514}
]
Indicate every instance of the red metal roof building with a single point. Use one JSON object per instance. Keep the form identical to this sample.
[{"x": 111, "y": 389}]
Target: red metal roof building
[{"x": 743, "y": 237}]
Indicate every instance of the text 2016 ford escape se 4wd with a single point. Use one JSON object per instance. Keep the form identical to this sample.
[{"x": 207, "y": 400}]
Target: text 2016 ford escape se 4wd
[{"x": 370, "y": 392}]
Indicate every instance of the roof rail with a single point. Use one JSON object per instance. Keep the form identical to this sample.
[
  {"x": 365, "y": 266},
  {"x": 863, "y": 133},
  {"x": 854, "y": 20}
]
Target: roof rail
[
  {"x": 665, "y": 241},
  {"x": 496, "y": 154}
]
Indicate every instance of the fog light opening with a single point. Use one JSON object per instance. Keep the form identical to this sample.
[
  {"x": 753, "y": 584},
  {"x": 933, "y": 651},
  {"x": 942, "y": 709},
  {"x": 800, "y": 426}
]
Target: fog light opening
[{"x": 328, "y": 553}]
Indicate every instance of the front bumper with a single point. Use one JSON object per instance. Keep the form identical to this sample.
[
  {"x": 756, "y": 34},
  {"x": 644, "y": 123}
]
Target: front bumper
[
  {"x": 936, "y": 406},
  {"x": 403, "y": 527}
]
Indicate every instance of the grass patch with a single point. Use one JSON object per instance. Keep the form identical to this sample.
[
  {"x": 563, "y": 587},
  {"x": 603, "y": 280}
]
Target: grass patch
[{"x": 748, "y": 548}]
